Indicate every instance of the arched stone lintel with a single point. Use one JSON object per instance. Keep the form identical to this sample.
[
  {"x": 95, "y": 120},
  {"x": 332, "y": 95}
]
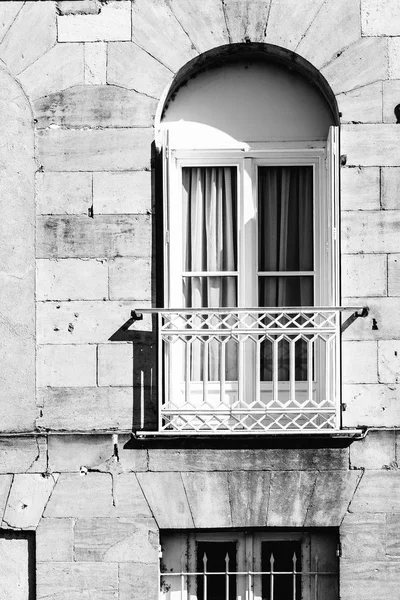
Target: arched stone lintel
[
  {"x": 215, "y": 500},
  {"x": 260, "y": 52}
]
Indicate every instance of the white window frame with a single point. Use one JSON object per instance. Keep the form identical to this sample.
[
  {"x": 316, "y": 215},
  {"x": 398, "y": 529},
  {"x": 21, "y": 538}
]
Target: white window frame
[{"x": 322, "y": 156}]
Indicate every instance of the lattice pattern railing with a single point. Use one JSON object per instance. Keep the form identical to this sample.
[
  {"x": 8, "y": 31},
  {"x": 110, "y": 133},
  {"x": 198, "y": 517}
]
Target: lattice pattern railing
[{"x": 258, "y": 370}]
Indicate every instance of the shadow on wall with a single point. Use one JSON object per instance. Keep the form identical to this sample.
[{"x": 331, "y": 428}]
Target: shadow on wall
[{"x": 144, "y": 339}]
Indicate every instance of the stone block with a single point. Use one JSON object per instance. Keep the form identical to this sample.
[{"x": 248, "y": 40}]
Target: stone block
[
  {"x": 66, "y": 366},
  {"x": 32, "y": 33},
  {"x": 246, "y": 19},
  {"x": 359, "y": 362},
  {"x": 208, "y": 30},
  {"x": 23, "y": 454},
  {"x": 60, "y": 68},
  {"x": 372, "y": 405},
  {"x": 156, "y": 30},
  {"x": 55, "y": 540},
  {"x": 370, "y": 231},
  {"x": 362, "y": 105},
  {"x": 122, "y": 193},
  {"x": 393, "y": 535},
  {"x": 380, "y": 17},
  {"x": 389, "y": 361},
  {"x": 288, "y": 21},
  {"x": 129, "y": 500},
  {"x": 85, "y": 408},
  {"x": 27, "y": 500},
  {"x": 95, "y": 149},
  {"x": 362, "y": 63},
  {"x": 81, "y": 496},
  {"x": 71, "y": 279},
  {"x": 390, "y": 188},
  {"x": 68, "y": 581},
  {"x": 115, "y": 364},
  {"x": 131, "y": 67},
  {"x": 394, "y": 275},
  {"x": 360, "y": 188},
  {"x": 332, "y": 495},
  {"x": 166, "y": 496},
  {"x": 378, "y": 492},
  {"x": 393, "y": 45},
  {"x": 63, "y": 193},
  {"x": 376, "y": 451},
  {"x": 8, "y": 12},
  {"x": 364, "y": 274},
  {"x": 290, "y": 497},
  {"x": 102, "y": 236},
  {"x": 138, "y": 581},
  {"x": 371, "y": 145},
  {"x": 249, "y": 460},
  {"x": 70, "y": 453},
  {"x": 95, "y": 63},
  {"x": 130, "y": 279},
  {"x": 85, "y": 322},
  {"x": 5, "y": 486},
  {"x": 112, "y": 22},
  {"x": 391, "y": 98},
  {"x": 249, "y": 493},
  {"x": 78, "y": 7},
  {"x": 15, "y": 572},
  {"x": 208, "y": 498},
  {"x": 116, "y": 541},
  {"x": 362, "y": 536},
  {"x": 369, "y": 579},
  {"x": 95, "y": 106},
  {"x": 322, "y": 42}
]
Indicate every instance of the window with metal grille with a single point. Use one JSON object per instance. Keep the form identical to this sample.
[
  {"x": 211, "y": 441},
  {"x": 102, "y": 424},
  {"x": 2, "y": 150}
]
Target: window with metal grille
[{"x": 252, "y": 565}]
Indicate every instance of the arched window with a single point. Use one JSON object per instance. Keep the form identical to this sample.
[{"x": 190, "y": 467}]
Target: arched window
[{"x": 250, "y": 334}]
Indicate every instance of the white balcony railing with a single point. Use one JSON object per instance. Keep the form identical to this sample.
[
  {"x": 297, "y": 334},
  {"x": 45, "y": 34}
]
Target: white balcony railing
[{"x": 237, "y": 371}]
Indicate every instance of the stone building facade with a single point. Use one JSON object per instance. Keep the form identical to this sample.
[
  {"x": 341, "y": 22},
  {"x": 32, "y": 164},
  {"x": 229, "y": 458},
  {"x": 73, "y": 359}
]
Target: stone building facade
[{"x": 83, "y": 502}]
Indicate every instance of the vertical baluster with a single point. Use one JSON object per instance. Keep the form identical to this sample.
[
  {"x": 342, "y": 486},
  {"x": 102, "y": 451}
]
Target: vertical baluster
[
  {"x": 328, "y": 369},
  {"x": 258, "y": 372},
  {"x": 310, "y": 362},
  {"x": 292, "y": 371},
  {"x": 249, "y": 585},
  {"x": 188, "y": 351},
  {"x": 316, "y": 578},
  {"x": 205, "y": 373},
  {"x": 294, "y": 575},
  {"x": 163, "y": 380},
  {"x": 182, "y": 585},
  {"x": 275, "y": 370},
  {"x": 241, "y": 373},
  {"x": 222, "y": 371},
  {"x": 205, "y": 576},
  {"x": 227, "y": 577},
  {"x": 271, "y": 561}
]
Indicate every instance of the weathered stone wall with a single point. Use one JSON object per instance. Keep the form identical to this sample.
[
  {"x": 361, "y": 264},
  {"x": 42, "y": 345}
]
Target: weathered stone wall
[{"x": 93, "y": 73}]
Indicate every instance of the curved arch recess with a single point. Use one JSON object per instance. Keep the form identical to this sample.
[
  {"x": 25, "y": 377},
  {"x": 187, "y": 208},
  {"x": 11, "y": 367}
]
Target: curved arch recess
[
  {"x": 17, "y": 259},
  {"x": 230, "y": 53}
]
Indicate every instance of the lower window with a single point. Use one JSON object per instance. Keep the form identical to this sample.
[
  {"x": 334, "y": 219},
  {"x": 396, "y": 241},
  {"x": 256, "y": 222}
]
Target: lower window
[{"x": 250, "y": 565}]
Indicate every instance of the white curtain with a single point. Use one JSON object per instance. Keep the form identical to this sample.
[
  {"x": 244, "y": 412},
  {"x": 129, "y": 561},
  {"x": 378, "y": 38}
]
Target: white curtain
[{"x": 210, "y": 245}]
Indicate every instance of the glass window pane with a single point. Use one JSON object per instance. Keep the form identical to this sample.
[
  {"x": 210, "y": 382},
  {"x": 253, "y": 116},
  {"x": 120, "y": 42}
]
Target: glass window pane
[
  {"x": 286, "y": 291},
  {"x": 209, "y": 218},
  {"x": 285, "y": 218}
]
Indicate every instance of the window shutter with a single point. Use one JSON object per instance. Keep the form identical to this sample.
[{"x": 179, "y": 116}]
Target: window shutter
[{"x": 333, "y": 190}]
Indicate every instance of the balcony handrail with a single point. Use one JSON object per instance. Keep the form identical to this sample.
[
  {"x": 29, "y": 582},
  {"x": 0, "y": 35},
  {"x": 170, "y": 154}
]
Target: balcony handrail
[{"x": 135, "y": 313}]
